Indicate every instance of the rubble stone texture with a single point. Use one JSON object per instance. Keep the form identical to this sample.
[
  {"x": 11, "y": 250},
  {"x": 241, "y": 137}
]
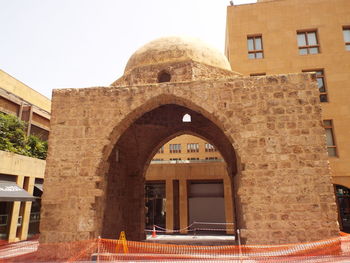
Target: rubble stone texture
[{"x": 268, "y": 129}]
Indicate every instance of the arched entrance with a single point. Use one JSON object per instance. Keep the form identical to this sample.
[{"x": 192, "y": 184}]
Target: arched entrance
[
  {"x": 132, "y": 153},
  {"x": 268, "y": 130}
]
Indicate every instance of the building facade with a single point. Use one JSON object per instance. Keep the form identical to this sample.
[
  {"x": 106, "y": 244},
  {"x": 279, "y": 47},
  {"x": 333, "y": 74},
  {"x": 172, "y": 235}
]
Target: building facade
[
  {"x": 191, "y": 163},
  {"x": 286, "y": 36},
  {"x": 21, "y": 177}
]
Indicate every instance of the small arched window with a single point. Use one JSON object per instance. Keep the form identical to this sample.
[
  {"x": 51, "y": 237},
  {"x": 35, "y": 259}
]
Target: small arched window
[
  {"x": 164, "y": 76},
  {"x": 186, "y": 118}
]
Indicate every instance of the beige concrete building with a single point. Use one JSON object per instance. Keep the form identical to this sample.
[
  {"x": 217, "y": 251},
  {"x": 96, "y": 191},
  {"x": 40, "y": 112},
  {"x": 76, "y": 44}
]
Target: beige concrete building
[
  {"x": 287, "y": 36},
  {"x": 103, "y": 139},
  {"x": 191, "y": 163},
  {"x": 21, "y": 177}
]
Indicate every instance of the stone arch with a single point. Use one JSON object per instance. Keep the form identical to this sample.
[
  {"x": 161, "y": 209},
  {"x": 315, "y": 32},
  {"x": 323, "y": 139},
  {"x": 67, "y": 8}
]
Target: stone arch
[
  {"x": 154, "y": 102},
  {"x": 132, "y": 152}
]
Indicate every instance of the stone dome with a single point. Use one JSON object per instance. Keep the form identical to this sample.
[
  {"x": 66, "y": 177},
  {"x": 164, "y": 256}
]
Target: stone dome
[{"x": 175, "y": 49}]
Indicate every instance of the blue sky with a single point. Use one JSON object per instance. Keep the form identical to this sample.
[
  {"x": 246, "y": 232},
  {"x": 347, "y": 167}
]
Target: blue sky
[{"x": 50, "y": 44}]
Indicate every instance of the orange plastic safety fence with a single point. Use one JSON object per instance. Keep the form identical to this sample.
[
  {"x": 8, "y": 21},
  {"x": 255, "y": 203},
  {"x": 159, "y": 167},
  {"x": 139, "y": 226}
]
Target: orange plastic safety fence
[{"x": 106, "y": 250}]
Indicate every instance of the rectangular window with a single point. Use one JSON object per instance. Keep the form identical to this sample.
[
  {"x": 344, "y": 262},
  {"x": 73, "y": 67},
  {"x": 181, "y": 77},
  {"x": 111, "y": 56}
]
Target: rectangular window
[
  {"x": 308, "y": 42},
  {"x": 331, "y": 146},
  {"x": 321, "y": 83},
  {"x": 255, "y": 47},
  {"x": 192, "y": 147},
  {"x": 210, "y": 148},
  {"x": 175, "y": 159},
  {"x": 346, "y": 33},
  {"x": 211, "y": 158},
  {"x": 175, "y": 148},
  {"x": 193, "y": 159},
  {"x": 161, "y": 149}
]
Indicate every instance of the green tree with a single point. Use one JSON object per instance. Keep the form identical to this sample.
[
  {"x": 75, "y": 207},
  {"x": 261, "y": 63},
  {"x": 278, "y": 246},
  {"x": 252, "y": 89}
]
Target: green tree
[{"x": 13, "y": 138}]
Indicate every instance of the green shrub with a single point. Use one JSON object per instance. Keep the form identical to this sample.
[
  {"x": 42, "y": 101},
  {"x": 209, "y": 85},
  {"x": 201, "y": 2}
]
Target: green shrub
[{"x": 13, "y": 138}]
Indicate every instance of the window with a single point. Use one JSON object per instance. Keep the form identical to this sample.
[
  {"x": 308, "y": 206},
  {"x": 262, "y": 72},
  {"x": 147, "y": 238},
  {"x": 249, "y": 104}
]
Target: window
[
  {"x": 321, "y": 83},
  {"x": 210, "y": 148},
  {"x": 186, "y": 118},
  {"x": 175, "y": 148},
  {"x": 211, "y": 158},
  {"x": 164, "y": 76},
  {"x": 193, "y": 159},
  {"x": 161, "y": 149},
  {"x": 175, "y": 159},
  {"x": 331, "y": 147},
  {"x": 346, "y": 33},
  {"x": 192, "y": 147},
  {"x": 255, "y": 47},
  {"x": 257, "y": 74},
  {"x": 308, "y": 42}
]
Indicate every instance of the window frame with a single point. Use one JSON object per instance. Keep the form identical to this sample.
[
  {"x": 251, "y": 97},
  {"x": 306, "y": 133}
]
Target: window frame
[
  {"x": 334, "y": 146},
  {"x": 209, "y": 147},
  {"x": 323, "y": 76},
  {"x": 161, "y": 149},
  {"x": 192, "y": 147},
  {"x": 347, "y": 44},
  {"x": 175, "y": 149},
  {"x": 307, "y": 46},
  {"x": 255, "y": 51}
]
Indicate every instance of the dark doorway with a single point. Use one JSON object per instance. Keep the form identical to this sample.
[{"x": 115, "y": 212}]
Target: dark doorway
[
  {"x": 155, "y": 202},
  {"x": 343, "y": 202}
]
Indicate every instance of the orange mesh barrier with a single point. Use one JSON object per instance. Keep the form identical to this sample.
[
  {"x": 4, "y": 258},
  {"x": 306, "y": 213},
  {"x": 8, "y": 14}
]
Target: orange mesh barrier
[{"x": 105, "y": 250}]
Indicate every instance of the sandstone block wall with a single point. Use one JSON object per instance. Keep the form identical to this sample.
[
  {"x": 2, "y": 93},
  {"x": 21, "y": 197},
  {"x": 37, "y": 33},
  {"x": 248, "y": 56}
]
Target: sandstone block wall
[{"x": 269, "y": 130}]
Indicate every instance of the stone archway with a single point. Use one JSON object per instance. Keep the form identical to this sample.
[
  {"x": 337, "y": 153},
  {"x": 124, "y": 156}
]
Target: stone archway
[
  {"x": 273, "y": 123},
  {"x": 131, "y": 156}
]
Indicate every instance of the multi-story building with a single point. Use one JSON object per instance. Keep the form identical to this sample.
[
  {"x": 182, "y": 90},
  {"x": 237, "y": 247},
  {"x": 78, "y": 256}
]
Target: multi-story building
[
  {"x": 21, "y": 177},
  {"x": 288, "y": 36},
  {"x": 187, "y": 182}
]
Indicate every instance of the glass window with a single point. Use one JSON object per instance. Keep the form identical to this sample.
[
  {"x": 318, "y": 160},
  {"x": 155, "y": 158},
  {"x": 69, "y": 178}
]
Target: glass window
[
  {"x": 258, "y": 44},
  {"x": 321, "y": 83},
  {"x": 346, "y": 32},
  {"x": 210, "y": 148},
  {"x": 331, "y": 146},
  {"x": 308, "y": 42},
  {"x": 255, "y": 47},
  {"x": 311, "y": 37},
  {"x": 250, "y": 44},
  {"x": 301, "y": 40},
  {"x": 175, "y": 148},
  {"x": 192, "y": 147},
  {"x": 161, "y": 149}
]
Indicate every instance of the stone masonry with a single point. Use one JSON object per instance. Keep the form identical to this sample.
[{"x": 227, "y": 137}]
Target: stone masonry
[{"x": 268, "y": 129}]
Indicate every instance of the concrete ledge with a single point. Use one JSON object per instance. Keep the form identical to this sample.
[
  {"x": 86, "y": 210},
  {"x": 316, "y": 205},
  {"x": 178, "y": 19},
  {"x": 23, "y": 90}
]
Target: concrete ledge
[{"x": 20, "y": 165}]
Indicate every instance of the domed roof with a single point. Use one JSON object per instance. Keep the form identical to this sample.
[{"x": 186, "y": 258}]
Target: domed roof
[{"x": 174, "y": 49}]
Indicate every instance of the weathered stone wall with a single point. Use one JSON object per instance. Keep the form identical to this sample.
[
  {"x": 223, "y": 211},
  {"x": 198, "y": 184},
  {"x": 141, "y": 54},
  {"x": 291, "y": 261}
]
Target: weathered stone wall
[{"x": 283, "y": 187}]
